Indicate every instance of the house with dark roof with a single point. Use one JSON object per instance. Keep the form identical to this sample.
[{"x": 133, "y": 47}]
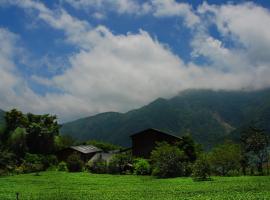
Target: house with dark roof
[
  {"x": 144, "y": 142},
  {"x": 86, "y": 152}
]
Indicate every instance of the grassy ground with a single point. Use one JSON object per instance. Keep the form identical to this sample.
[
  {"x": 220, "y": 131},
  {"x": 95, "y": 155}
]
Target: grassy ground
[{"x": 69, "y": 186}]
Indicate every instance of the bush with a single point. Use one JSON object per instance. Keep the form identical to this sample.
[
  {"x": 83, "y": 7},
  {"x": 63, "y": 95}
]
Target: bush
[
  {"x": 201, "y": 169},
  {"x": 120, "y": 164},
  {"x": 7, "y": 162},
  {"x": 62, "y": 166},
  {"x": 74, "y": 163},
  {"x": 49, "y": 161},
  {"x": 32, "y": 163},
  {"x": 98, "y": 166},
  {"x": 168, "y": 161},
  {"x": 141, "y": 167}
]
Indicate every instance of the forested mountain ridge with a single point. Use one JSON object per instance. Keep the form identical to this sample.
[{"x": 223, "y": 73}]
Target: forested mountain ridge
[{"x": 209, "y": 116}]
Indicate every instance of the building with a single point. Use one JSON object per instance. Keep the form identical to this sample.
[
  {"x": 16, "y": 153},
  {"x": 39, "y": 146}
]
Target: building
[
  {"x": 144, "y": 142},
  {"x": 86, "y": 152}
]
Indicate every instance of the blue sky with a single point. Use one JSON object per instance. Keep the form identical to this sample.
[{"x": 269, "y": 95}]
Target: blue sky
[{"x": 76, "y": 58}]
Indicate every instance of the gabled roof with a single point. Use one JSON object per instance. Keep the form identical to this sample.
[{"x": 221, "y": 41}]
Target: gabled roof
[
  {"x": 86, "y": 149},
  {"x": 155, "y": 131}
]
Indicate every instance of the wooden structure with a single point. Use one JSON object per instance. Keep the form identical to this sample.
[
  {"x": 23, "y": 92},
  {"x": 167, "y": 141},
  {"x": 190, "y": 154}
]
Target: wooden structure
[
  {"x": 86, "y": 152},
  {"x": 144, "y": 142}
]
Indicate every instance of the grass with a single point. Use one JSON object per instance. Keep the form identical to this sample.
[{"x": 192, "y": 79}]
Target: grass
[{"x": 85, "y": 186}]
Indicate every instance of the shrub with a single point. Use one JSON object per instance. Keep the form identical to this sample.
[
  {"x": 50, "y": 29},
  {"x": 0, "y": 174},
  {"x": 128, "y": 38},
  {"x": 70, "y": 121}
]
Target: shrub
[
  {"x": 32, "y": 163},
  {"x": 120, "y": 163},
  {"x": 62, "y": 166},
  {"x": 7, "y": 162},
  {"x": 141, "y": 167},
  {"x": 201, "y": 169},
  {"x": 98, "y": 166},
  {"x": 74, "y": 163},
  {"x": 167, "y": 161},
  {"x": 49, "y": 161}
]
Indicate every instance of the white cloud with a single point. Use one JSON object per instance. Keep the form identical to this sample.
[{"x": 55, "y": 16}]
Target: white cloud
[
  {"x": 123, "y": 71},
  {"x": 157, "y": 8}
]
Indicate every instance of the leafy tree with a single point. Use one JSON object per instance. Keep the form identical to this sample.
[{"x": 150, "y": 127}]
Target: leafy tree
[
  {"x": 63, "y": 141},
  {"x": 225, "y": 157},
  {"x": 74, "y": 163},
  {"x": 120, "y": 163},
  {"x": 98, "y": 166},
  {"x": 188, "y": 145},
  {"x": 167, "y": 161},
  {"x": 141, "y": 166},
  {"x": 103, "y": 145},
  {"x": 201, "y": 168},
  {"x": 17, "y": 142},
  {"x": 13, "y": 119},
  {"x": 256, "y": 141},
  {"x": 41, "y": 130}
]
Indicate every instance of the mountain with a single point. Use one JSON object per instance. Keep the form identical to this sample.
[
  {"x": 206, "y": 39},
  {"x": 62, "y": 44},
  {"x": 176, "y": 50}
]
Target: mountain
[{"x": 209, "y": 116}]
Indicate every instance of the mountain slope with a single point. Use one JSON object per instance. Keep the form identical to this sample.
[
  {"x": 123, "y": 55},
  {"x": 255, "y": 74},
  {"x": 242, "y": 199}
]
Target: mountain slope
[{"x": 209, "y": 116}]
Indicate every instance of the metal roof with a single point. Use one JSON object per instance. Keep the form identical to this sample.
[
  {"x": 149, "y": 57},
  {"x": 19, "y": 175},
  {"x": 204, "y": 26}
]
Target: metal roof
[{"x": 86, "y": 149}]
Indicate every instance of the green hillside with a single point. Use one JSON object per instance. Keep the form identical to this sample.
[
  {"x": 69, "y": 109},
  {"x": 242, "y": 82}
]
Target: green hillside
[{"x": 209, "y": 116}]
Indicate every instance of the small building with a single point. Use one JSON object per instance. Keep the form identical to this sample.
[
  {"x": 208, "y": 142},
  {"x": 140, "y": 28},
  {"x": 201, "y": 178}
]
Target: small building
[
  {"x": 86, "y": 152},
  {"x": 144, "y": 142}
]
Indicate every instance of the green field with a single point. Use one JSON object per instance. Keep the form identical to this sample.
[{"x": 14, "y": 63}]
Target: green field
[{"x": 62, "y": 185}]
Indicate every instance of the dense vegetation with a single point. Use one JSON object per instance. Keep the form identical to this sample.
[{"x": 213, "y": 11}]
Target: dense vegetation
[
  {"x": 85, "y": 186},
  {"x": 209, "y": 116}
]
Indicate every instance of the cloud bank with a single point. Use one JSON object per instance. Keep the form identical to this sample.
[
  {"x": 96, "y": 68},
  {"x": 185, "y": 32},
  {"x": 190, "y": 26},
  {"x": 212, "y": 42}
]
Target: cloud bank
[{"x": 118, "y": 72}]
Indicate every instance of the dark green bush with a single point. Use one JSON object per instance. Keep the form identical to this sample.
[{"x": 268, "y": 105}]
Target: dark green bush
[
  {"x": 98, "y": 166},
  {"x": 74, "y": 163},
  {"x": 141, "y": 167},
  {"x": 62, "y": 166},
  {"x": 201, "y": 169},
  {"x": 167, "y": 161},
  {"x": 121, "y": 163}
]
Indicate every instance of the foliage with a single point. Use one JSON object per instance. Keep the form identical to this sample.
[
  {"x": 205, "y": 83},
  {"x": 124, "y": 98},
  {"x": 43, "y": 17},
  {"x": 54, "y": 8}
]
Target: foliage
[
  {"x": 74, "y": 163},
  {"x": 62, "y": 166},
  {"x": 17, "y": 142},
  {"x": 168, "y": 161},
  {"x": 256, "y": 141},
  {"x": 120, "y": 163},
  {"x": 98, "y": 166},
  {"x": 141, "y": 167},
  {"x": 32, "y": 163},
  {"x": 201, "y": 168},
  {"x": 225, "y": 157},
  {"x": 105, "y": 146},
  {"x": 7, "y": 162},
  {"x": 63, "y": 141},
  {"x": 188, "y": 145}
]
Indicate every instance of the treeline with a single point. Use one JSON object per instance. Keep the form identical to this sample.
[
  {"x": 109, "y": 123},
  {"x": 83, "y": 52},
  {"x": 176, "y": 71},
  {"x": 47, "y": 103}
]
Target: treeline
[
  {"x": 29, "y": 144},
  {"x": 249, "y": 157}
]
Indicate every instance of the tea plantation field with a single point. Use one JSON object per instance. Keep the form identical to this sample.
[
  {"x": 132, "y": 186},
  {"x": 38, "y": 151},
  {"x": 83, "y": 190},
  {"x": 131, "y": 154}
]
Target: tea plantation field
[{"x": 85, "y": 186}]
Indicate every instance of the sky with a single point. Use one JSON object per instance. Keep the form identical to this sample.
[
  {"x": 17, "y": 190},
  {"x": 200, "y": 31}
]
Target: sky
[{"x": 76, "y": 58}]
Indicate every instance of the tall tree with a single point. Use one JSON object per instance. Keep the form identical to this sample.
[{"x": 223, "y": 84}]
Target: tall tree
[{"x": 256, "y": 141}]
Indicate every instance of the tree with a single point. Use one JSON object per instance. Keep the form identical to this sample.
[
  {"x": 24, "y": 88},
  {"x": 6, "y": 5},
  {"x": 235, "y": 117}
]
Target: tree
[
  {"x": 41, "y": 130},
  {"x": 14, "y": 119},
  {"x": 256, "y": 141},
  {"x": 188, "y": 145},
  {"x": 225, "y": 157},
  {"x": 141, "y": 167},
  {"x": 120, "y": 163},
  {"x": 201, "y": 168},
  {"x": 74, "y": 163},
  {"x": 168, "y": 161},
  {"x": 17, "y": 142}
]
